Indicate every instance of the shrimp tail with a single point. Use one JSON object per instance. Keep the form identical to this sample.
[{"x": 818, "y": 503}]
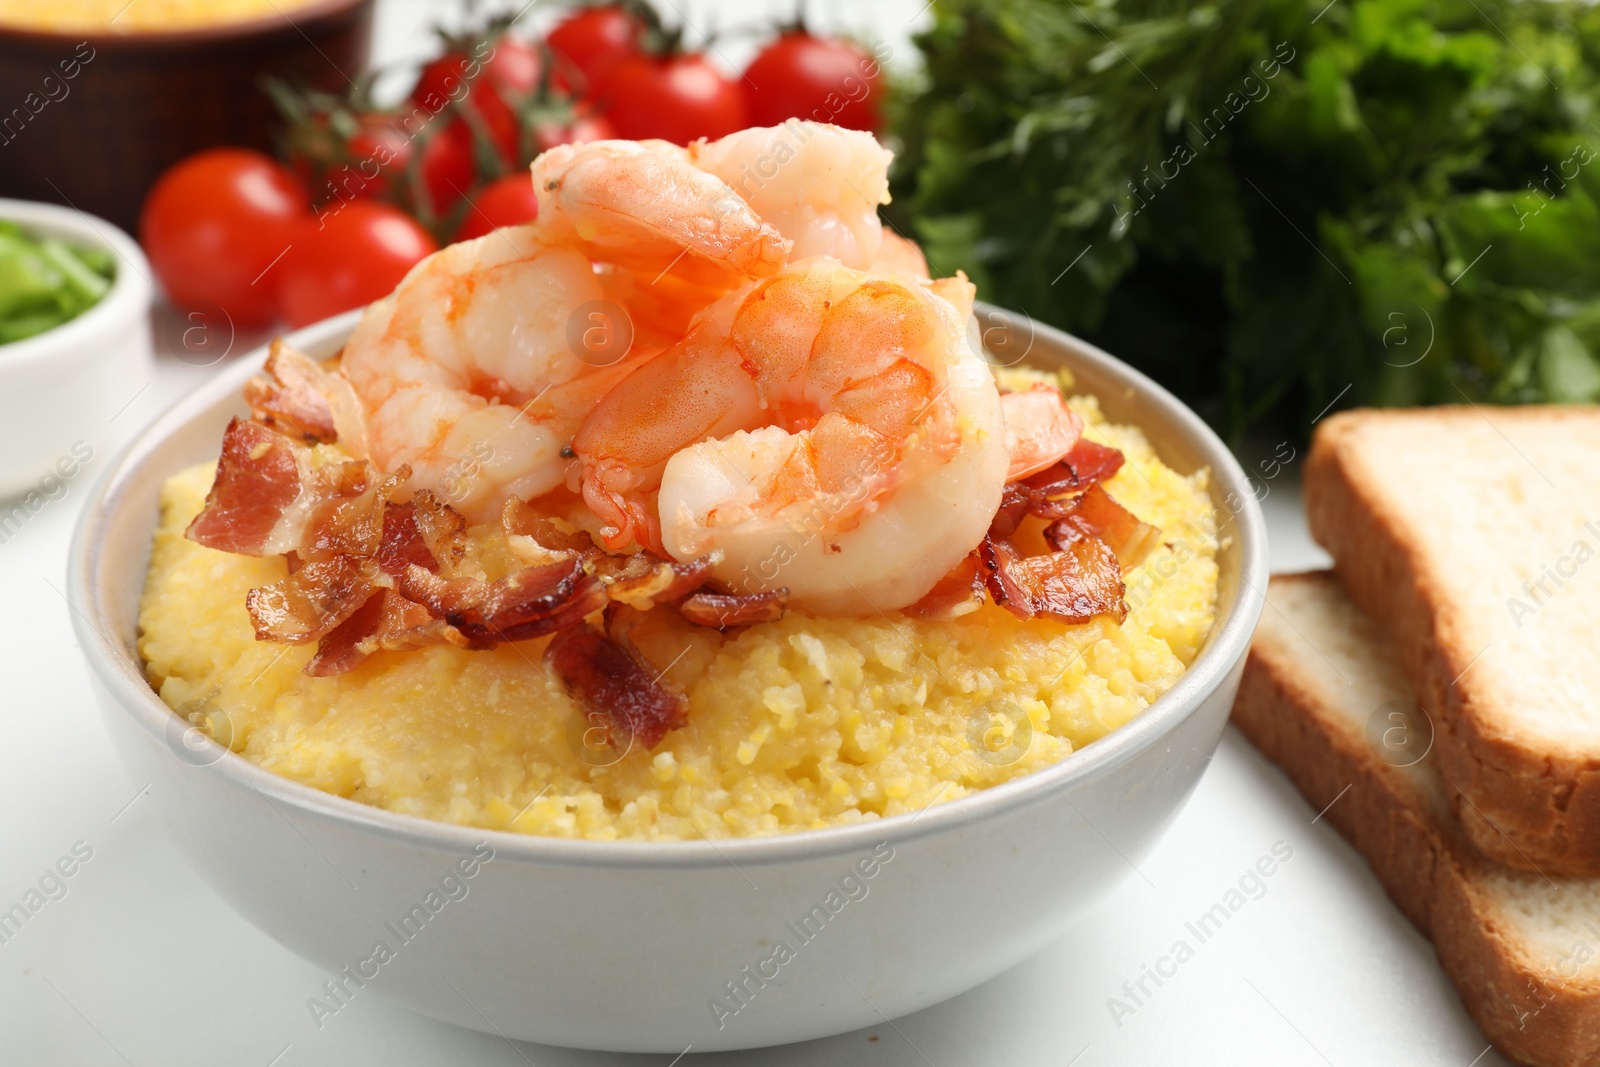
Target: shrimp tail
[{"x": 626, "y": 518}]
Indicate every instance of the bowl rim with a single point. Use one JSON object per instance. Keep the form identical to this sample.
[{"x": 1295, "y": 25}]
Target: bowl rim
[
  {"x": 1224, "y": 649},
  {"x": 216, "y": 33},
  {"x": 131, "y": 289}
]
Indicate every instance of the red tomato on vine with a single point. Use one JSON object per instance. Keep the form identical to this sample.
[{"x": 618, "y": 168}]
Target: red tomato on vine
[{"x": 827, "y": 79}]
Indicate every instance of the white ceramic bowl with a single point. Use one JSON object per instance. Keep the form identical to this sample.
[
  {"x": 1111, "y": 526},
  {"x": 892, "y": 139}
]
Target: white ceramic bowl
[
  {"x": 642, "y": 946},
  {"x": 61, "y": 389}
]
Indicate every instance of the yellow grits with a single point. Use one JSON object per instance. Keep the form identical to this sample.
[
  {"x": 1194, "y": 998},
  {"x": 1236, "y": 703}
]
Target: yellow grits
[
  {"x": 136, "y": 16},
  {"x": 794, "y": 725}
]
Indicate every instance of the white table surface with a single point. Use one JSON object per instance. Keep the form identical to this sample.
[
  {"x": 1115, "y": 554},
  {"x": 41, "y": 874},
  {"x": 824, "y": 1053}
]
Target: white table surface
[{"x": 140, "y": 963}]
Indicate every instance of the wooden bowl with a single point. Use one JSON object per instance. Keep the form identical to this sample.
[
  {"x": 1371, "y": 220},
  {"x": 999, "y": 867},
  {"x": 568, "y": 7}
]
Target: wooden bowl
[{"x": 91, "y": 120}]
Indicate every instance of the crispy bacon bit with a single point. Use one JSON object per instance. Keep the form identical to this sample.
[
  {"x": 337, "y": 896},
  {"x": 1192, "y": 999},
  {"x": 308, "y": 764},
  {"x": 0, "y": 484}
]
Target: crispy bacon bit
[
  {"x": 538, "y": 539},
  {"x": 1018, "y": 501},
  {"x": 530, "y": 603},
  {"x": 387, "y": 621},
  {"x": 1040, "y": 429},
  {"x": 1073, "y": 585},
  {"x": 1015, "y": 503},
  {"x": 642, "y": 581},
  {"x": 1080, "y": 468},
  {"x": 270, "y": 498},
  {"x": 519, "y": 519},
  {"x": 1045, "y": 494},
  {"x": 258, "y": 479},
  {"x": 351, "y": 522},
  {"x": 293, "y": 398},
  {"x": 423, "y": 531},
  {"x": 1095, "y": 514},
  {"x": 1092, "y": 462},
  {"x": 339, "y": 649},
  {"x": 618, "y": 684},
  {"x": 312, "y": 601},
  {"x": 402, "y": 543},
  {"x": 726, "y": 611},
  {"x": 443, "y": 529},
  {"x": 958, "y": 593}
]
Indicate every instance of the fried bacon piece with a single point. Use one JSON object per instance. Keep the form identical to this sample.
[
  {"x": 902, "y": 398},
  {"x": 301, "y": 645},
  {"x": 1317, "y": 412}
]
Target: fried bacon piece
[
  {"x": 1095, "y": 514},
  {"x": 313, "y": 600},
  {"x": 639, "y": 581},
  {"x": 270, "y": 498},
  {"x": 616, "y": 683},
  {"x": 1045, "y": 494},
  {"x": 1073, "y": 585},
  {"x": 529, "y": 603},
  {"x": 402, "y": 544},
  {"x": 387, "y": 621},
  {"x": 1017, "y": 502},
  {"x": 1080, "y": 468},
  {"x": 350, "y": 520},
  {"x": 424, "y": 531},
  {"x": 250, "y": 509},
  {"x": 958, "y": 593},
  {"x": 293, "y": 398},
  {"x": 642, "y": 581},
  {"x": 441, "y": 527},
  {"x": 536, "y": 538},
  {"x": 725, "y": 611}
]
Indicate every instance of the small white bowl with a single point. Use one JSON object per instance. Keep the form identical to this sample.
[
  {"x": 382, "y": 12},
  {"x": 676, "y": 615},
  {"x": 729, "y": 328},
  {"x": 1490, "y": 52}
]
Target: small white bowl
[
  {"x": 656, "y": 946},
  {"x": 61, "y": 389}
]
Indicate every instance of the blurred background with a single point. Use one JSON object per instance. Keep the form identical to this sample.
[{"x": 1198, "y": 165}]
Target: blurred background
[{"x": 1276, "y": 207}]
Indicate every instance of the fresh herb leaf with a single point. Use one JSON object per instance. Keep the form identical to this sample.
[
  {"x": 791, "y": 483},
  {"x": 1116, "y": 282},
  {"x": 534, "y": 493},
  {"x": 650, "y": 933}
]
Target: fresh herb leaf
[{"x": 1274, "y": 205}]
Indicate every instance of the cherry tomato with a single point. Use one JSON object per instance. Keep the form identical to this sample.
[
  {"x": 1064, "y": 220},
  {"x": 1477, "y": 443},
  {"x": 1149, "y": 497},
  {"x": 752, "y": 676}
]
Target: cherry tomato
[
  {"x": 449, "y": 165},
  {"x": 507, "y": 201},
  {"x": 583, "y": 127},
  {"x": 822, "y": 78},
  {"x": 378, "y": 155},
  {"x": 677, "y": 98},
  {"x": 591, "y": 41},
  {"x": 494, "y": 86},
  {"x": 372, "y": 163},
  {"x": 346, "y": 258},
  {"x": 214, "y": 222},
  {"x": 510, "y": 77}
]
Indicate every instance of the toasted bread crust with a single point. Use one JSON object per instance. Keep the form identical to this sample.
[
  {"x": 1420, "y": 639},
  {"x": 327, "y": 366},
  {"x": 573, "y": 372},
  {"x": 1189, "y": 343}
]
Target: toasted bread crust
[
  {"x": 1426, "y": 866},
  {"x": 1523, "y": 807}
]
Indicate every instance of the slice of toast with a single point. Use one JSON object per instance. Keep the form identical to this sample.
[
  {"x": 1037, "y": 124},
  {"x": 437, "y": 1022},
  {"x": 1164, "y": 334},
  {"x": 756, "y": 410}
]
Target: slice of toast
[
  {"x": 1472, "y": 536},
  {"x": 1323, "y": 697}
]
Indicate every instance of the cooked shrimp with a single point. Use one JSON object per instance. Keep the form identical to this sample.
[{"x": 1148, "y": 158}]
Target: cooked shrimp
[
  {"x": 901, "y": 254},
  {"x": 826, "y": 430},
  {"x": 820, "y": 185},
  {"x": 1040, "y": 429},
  {"x": 660, "y": 308},
  {"x": 467, "y": 373},
  {"x": 644, "y": 208}
]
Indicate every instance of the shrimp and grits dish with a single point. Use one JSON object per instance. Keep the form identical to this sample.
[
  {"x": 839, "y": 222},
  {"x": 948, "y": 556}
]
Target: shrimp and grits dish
[{"x": 793, "y": 553}]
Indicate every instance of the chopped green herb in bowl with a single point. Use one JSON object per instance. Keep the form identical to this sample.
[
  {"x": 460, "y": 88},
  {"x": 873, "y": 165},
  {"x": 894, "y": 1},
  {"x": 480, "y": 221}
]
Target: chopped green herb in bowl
[{"x": 45, "y": 282}]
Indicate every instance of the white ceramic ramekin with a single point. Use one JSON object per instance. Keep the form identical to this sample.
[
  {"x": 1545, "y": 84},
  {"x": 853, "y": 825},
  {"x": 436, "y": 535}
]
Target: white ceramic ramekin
[
  {"x": 60, "y": 390},
  {"x": 634, "y": 946}
]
